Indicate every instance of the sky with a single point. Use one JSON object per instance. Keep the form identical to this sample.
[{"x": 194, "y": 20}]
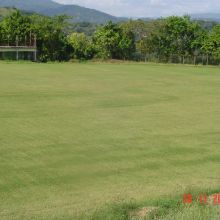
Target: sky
[{"x": 149, "y": 8}]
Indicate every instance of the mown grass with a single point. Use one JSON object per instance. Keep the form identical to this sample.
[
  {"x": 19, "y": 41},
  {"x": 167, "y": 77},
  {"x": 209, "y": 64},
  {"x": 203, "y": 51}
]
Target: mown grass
[
  {"x": 77, "y": 137},
  {"x": 166, "y": 208}
]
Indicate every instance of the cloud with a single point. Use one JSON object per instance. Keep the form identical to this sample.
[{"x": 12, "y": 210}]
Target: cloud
[{"x": 148, "y": 8}]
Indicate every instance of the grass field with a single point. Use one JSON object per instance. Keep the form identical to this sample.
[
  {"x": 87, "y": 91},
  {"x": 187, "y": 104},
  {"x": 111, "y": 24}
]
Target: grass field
[{"x": 75, "y": 137}]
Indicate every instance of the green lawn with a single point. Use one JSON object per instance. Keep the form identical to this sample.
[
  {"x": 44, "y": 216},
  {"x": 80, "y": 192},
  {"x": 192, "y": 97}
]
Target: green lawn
[{"x": 74, "y": 137}]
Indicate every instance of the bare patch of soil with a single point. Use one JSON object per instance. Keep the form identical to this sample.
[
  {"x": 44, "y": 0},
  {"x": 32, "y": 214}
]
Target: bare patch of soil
[{"x": 141, "y": 214}]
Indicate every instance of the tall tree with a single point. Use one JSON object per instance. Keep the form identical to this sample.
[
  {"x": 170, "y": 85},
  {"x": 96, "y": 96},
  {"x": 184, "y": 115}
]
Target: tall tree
[
  {"x": 16, "y": 27},
  {"x": 81, "y": 45},
  {"x": 114, "y": 42},
  {"x": 211, "y": 44},
  {"x": 215, "y": 35},
  {"x": 51, "y": 39}
]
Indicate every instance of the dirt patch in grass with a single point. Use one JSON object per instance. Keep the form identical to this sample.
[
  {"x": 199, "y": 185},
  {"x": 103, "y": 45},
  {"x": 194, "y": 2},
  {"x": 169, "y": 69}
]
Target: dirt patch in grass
[{"x": 142, "y": 213}]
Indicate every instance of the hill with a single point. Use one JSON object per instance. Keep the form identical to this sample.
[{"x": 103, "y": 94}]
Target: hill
[
  {"x": 6, "y": 11},
  {"x": 48, "y": 7},
  {"x": 79, "y": 14},
  {"x": 207, "y": 16}
]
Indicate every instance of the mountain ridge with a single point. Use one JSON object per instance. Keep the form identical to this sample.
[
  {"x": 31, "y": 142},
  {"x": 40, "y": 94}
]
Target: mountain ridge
[
  {"x": 79, "y": 13},
  {"x": 207, "y": 16},
  {"x": 50, "y": 8}
]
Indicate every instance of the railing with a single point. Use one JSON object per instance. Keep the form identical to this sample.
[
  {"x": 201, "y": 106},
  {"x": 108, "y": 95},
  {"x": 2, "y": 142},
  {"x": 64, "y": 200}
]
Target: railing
[
  {"x": 13, "y": 44},
  {"x": 17, "y": 46}
]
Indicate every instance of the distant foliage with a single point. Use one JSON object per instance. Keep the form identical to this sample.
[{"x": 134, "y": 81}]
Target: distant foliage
[
  {"x": 179, "y": 40},
  {"x": 51, "y": 39},
  {"x": 173, "y": 39},
  {"x": 82, "y": 46},
  {"x": 114, "y": 42}
]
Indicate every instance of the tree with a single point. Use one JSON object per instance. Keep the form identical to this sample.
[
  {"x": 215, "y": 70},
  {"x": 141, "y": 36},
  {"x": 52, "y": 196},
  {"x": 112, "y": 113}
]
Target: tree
[
  {"x": 106, "y": 41},
  {"x": 126, "y": 43},
  {"x": 161, "y": 38},
  {"x": 16, "y": 27},
  {"x": 1, "y": 33},
  {"x": 215, "y": 36},
  {"x": 51, "y": 39},
  {"x": 181, "y": 32},
  {"x": 114, "y": 42},
  {"x": 81, "y": 45},
  {"x": 211, "y": 44},
  {"x": 150, "y": 39},
  {"x": 197, "y": 43},
  {"x": 174, "y": 35},
  {"x": 144, "y": 47}
]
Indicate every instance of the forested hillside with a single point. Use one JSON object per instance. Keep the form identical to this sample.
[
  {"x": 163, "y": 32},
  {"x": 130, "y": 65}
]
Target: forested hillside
[
  {"x": 48, "y": 7},
  {"x": 207, "y": 16},
  {"x": 80, "y": 14},
  {"x": 6, "y": 11}
]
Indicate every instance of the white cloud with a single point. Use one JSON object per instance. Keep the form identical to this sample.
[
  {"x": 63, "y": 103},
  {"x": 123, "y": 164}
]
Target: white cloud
[{"x": 148, "y": 8}]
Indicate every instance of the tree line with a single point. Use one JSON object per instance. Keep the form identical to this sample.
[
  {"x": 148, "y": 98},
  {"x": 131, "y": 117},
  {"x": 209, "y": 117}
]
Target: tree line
[{"x": 173, "y": 39}]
